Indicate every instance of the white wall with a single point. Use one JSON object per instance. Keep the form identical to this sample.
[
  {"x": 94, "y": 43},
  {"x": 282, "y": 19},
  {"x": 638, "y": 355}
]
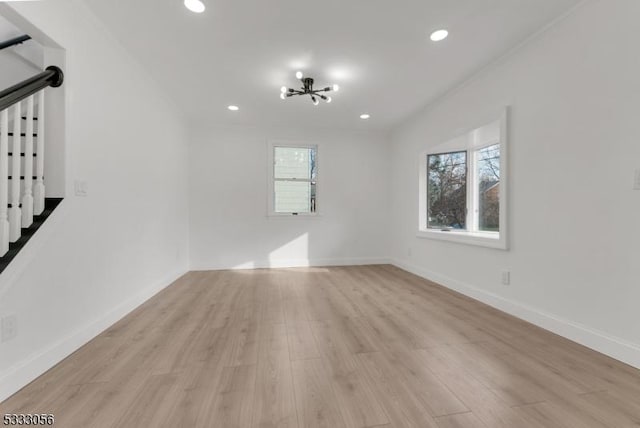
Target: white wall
[
  {"x": 229, "y": 226},
  {"x": 14, "y": 69},
  {"x": 99, "y": 256},
  {"x": 575, "y": 235}
]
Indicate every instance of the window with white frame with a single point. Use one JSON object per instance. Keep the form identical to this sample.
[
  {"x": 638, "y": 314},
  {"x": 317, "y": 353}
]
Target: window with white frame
[
  {"x": 463, "y": 188},
  {"x": 293, "y": 179}
]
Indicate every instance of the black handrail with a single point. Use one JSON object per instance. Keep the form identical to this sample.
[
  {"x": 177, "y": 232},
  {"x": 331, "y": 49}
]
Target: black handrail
[
  {"x": 14, "y": 41},
  {"x": 52, "y": 76}
]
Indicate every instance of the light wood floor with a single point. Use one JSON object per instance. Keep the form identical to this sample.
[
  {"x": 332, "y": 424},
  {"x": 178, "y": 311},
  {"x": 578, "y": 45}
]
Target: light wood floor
[{"x": 329, "y": 347}]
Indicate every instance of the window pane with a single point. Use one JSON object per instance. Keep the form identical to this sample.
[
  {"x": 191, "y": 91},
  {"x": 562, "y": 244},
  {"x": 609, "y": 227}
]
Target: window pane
[
  {"x": 293, "y": 196},
  {"x": 294, "y": 162},
  {"x": 488, "y": 179},
  {"x": 447, "y": 190}
]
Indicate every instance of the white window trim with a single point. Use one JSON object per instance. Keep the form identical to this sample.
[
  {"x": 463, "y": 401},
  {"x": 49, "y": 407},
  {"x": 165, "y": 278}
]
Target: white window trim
[
  {"x": 497, "y": 240},
  {"x": 271, "y": 145}
]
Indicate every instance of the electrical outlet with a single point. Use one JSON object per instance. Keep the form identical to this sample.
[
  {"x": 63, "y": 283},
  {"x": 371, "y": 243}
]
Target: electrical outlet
[
  {"x": 9, "y": 328},
  {"x": 81, "y": 188},
  {"x": 636, "y": 181},
  {"x": 506, "y": 277}
]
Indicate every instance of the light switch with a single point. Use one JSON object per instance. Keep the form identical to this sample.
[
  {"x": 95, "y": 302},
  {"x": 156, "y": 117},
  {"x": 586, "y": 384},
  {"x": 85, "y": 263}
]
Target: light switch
[
  {"x": 81, "y": 188},
  {"x": 506, "y": 277}
]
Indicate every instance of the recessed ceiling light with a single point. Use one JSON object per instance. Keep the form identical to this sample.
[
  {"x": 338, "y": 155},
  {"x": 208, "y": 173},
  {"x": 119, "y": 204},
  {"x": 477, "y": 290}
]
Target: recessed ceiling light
[
  {"x": 365, "y": 116},
  {"x": 194, "y": 5},
  {"x": 299, "y": 75},
  {"x": 233, "y": 108},
  {"x": 439, "y": 35}
]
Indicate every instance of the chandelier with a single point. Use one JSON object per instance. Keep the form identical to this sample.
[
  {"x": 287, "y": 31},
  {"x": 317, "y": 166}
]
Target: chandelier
[{"x": 307, "y": 89}]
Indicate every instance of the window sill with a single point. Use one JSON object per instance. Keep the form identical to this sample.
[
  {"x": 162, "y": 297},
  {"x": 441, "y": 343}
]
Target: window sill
[
  {"x": 481, "y": 239},
  {"x": 289, "y": 215}
]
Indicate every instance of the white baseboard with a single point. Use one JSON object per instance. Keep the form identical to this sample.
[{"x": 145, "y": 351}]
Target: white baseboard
[
  {"x": 614, "y": 347},
  {"x": 294, "y": 263},
  {"x": 21, "y": 374}
]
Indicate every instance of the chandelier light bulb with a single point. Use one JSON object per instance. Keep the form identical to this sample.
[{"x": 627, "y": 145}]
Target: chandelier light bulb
[
  {"x": 336, "y": 88},
  {"x": 283, "y": 96},
  {"x": 315, "y": 101},
  {"x": 195, "y": 6},
  {"x": 283, "y": 89},
  {"x": 299, "y": 74},
  {"x": 328, "y": 99}
]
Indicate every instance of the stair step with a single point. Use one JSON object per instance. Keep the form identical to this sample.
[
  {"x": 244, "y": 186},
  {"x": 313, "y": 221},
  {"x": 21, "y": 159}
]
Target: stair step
[
  {"x": 50, "y": 205},
  {"x": 21, "y": 154},
  {"x": 22, "y": 177}
]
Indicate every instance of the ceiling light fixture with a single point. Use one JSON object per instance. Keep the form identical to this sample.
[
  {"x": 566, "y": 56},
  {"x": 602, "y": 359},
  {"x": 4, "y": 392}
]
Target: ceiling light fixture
[
  {"x": 439, "y": 35},
  {"x": 233, "y": 108},
  {"x": 195, "y": 6},
  {"x": 365, "y": 116},
  {"x": 307, "y": 89}
]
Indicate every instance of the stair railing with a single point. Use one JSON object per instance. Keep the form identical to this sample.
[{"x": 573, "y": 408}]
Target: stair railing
[
  {"x": 15, "y": 41},
  {"x": 19, "y": 203}
]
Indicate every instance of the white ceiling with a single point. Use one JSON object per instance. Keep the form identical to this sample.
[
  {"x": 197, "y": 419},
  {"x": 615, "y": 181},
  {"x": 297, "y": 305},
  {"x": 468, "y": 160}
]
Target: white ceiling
[{"x": 242, "y": 51}]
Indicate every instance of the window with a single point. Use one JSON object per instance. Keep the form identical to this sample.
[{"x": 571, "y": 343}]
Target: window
[
  {"x": 447, "y": 190},
  {"x": 293, "y": 180},
  {"x": 488, "y": 192},
  {"x": 463, "y": 188}
]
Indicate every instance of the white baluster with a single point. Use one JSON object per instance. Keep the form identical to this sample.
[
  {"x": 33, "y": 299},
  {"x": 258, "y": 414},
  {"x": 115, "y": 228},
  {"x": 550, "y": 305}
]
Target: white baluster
[
  {"x": 27, "y": 197},
  {"x": 38, "y": 188},
  {"x": 4, "y": 181},
  {"x": 15, "y": 217}
]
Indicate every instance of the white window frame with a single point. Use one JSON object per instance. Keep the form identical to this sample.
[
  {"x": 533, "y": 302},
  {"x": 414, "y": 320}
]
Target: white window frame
[
  {"x": 271, "y": 178},
  {"x": 472, "y": 236}
]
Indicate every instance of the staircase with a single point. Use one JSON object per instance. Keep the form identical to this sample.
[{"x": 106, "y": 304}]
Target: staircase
[{"x": 23, "y": 205}]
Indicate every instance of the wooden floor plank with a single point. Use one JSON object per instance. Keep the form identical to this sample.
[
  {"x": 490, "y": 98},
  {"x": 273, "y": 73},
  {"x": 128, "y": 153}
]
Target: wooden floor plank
[
  {"x": 151, "y": 406},
  {"x": 274, "y": 402},
  {"x": 358, "y": 403},
  {"x": 549, "y": 414},
  {"x": 424, "y": 385},
  {"x": 316, "y": 402},
  {"x": 460, "y": 420},
  {"x": 233, "y": 406},
  {"x": 302, "y": 345},
  {"x": 403, "y": 408}
]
